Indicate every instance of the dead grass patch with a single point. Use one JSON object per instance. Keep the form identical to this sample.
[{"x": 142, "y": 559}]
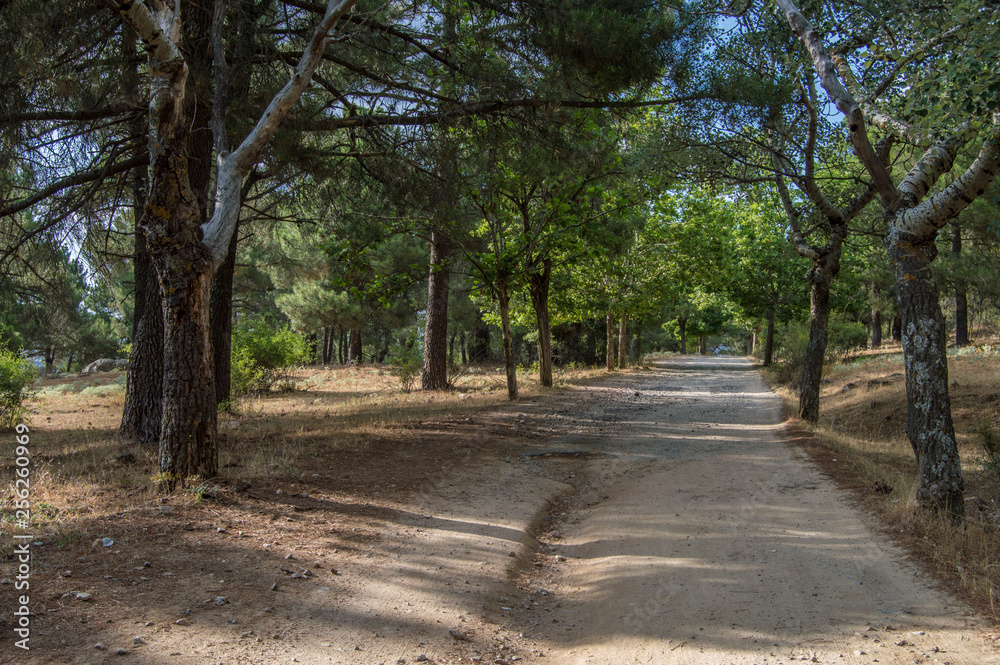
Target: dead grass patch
[
  {"x": 860, "y": 439},
  {"x": 344, "y": 419}
]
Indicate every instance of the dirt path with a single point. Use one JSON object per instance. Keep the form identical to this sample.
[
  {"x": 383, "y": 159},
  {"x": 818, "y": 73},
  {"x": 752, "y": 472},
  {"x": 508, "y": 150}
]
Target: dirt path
[
  {"x": 713, "y": 542},
  {"x": 673, "y": 526}
]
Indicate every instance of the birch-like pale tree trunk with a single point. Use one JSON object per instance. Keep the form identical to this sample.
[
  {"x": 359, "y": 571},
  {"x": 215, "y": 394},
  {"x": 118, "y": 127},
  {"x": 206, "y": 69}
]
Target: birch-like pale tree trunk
[
  {"x": 186, "y": 251},
  {"x": 913, "y": 220}
]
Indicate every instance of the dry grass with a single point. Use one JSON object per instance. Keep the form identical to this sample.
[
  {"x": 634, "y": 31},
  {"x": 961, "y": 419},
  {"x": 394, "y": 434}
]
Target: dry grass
[
  {"x": 81, "y": 472},
  {"x": 861, "y": 438}
]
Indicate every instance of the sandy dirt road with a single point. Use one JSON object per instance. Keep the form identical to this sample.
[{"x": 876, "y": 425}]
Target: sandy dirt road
[
  {"x": 708, "y": 540},
  {"x": 650, "y": 517}
]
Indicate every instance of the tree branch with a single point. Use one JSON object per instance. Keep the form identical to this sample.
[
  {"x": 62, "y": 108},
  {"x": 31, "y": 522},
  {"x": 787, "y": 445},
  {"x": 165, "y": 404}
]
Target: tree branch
[
  {"x": 926, "y": 218},
  {"x": 845, "y": 103},
  {"x": 73, "y": 181},
  {"x": 234, "y": 167},
  {"x": 480, "y": 108},
  {"x": 809, "y": 185},
  {"x": 71, "y": 116}
]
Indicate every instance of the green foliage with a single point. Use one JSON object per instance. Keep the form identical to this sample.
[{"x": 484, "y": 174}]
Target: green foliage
[
  {"x": 16, "y": 376},
  {"x": 407, "y": 360},
  {"x": 843, "y": 339},
  {"x": 990, "y": 440},
  {"x": 262, "y": 354}
]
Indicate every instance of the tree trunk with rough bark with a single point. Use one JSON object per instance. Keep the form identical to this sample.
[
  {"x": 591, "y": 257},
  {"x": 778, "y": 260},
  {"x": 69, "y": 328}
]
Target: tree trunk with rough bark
[
  {"x": 185, "y": 251},
  {"x": 928, "y": 415},
  {"x": 609, "y": 346},
  {"x": 435, "y": 369},
  {"x": 812, "y": 363},
  {"x": 221, "y": 322},
  {"x": 961, "y": 292},
  {"x": 355, "y": 354},
  {"x": 342, "y": 346},
  {"x": 538, "y": 287},
  {"x": 897, "y": 328},
  {"x": 769, "y": 340},
  {"x": 507, "y": 335},
  {"x": 623, "y": 341},
  {"x": 188, "y": 436},
  {"x": 682, "y": 324},
  {"x": 143, "y": 409}
]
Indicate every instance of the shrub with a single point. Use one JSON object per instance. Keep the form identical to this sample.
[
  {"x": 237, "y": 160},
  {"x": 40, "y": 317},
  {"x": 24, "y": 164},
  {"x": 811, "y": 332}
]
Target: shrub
[
  {"x": 16, "y": 376},
  {"x": 990, "y": 440},
  {"x": 843, "y": 339},
  {"x": 262, "y": 355},
  {"x": 407, "y": 362}
]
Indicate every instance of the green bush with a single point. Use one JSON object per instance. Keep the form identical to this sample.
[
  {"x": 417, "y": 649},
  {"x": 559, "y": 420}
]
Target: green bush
[
  {"x": 262, "y": 355},
  {"x": 843, "y": 339},
  {"x": 407, "y": 362},
  {"x": 990, "y": 440},
  {"x": 16, "y": 377}
]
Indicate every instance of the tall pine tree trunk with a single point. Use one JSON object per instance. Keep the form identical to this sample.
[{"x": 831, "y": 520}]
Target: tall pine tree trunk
[
  {"x": 609, "y": 344},
  {"x": 188, "y": 438},
  {"x": 876, "y": 319},
  {"x": 623, "y": 341},
  {"x": 356, "y": 351},
  {"x": 812, "y": 364},
  {"x": 961, "y": 291},
  {"x": 143, "y": 409},
  {"x": 538, "y": 287},
  {"x": 510, "y": 366},
  {"x": 435, "y": 369},
  {"x": 682, "y": 325},
  {"x": 928, "y": 414},
  {"x": 769, "y": 340},
  {"x": 221, "y": 322}
]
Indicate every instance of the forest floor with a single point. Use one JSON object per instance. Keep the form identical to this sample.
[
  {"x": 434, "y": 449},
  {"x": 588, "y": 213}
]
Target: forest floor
[{"x": 662, "y": 515}]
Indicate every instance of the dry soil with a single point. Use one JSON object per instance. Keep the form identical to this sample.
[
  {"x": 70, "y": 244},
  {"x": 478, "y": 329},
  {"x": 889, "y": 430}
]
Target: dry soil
[{"x": 652, "y": 517}]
